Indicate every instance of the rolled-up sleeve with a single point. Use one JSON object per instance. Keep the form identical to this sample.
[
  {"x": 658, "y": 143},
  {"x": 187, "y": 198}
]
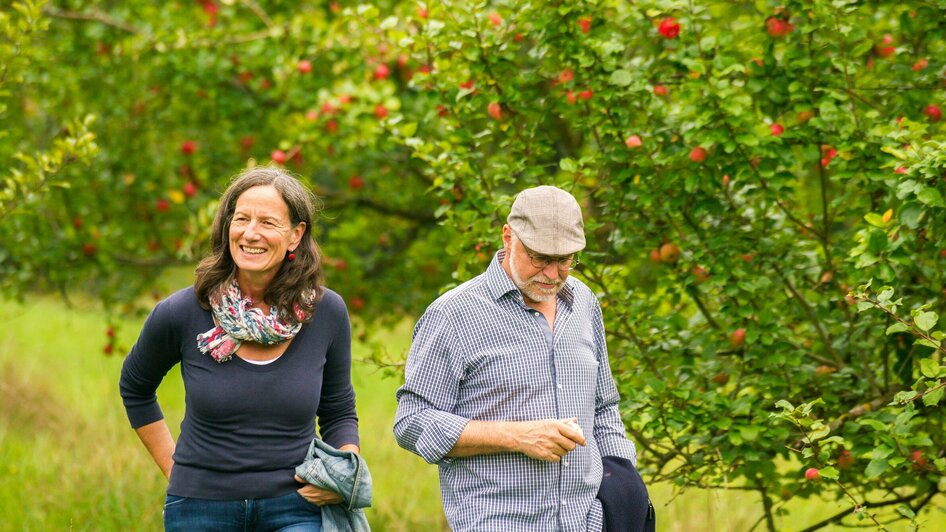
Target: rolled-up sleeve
[
  {"x": 425, "y": 423},
  {"x": 609, "y": 429}
]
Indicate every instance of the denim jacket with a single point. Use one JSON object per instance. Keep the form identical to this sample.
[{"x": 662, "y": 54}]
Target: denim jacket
[{"x": 343, "y": 472}]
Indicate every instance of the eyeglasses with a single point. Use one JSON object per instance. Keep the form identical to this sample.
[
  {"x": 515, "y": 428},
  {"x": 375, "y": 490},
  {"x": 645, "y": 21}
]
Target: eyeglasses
[{"x": 541, "y": 261}]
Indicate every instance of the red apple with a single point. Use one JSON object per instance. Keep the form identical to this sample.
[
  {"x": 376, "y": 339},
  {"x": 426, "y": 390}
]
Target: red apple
[
  {"x": 304, "y": 66},
  {"x": 356, "y": 182},
  {"x": 933, "y": 112},
  {"x": 381, "y": 71},
  {"x": 812, "y": 473},
  {"x": 669, "y": 28},
  {"x": 698, "y": 154},
  {"x": 585, "y": 24},
  {"x": 495, "y": 18},
  {"x": 357, "y": 303},
  {"x": 467, "y": 85},
  {"x": 571, "y": 97},
  {"x": 778, "y": 26},
  {"x": 89, "y": 249},
  {"x": 633, "y": 141},
  {"x": 331, "y": 126},
  {"x": 804, "y": 116},
  {"x": 188, "y": 147},
  {"x": 669, "y": 253},
  {"x": 154, "y": 245},
  {"x": 246, "y": 142},
  {"x": 726, "y": 180},
  {"x": 380, "y": 111},
  {"x": 586, "y": 94},
  {"x": 110, "y": 332},
  {"x": 162, "y": 205},
  {"x": 77, "y": 222},
  {"x": 655, "y": 256},
  {"x": 777, "y": 129},
  {"x": 700, "y": 274},
  {"x": 421, "y": 12},
  {"x": 845, "y": 459},
  {"x": 108, "y": 349},
  {"x": 190, "y": 189},
  {"x": 920, "y": 64},
  {"x": 660, "y": 90},
  {"x": 278, "y": 156},
  {"x": 495, "y": 110},
  {"x": 566, "y": 75},
  {"x": 737, "y": 338},
  {"x": 720, "y": 379}
]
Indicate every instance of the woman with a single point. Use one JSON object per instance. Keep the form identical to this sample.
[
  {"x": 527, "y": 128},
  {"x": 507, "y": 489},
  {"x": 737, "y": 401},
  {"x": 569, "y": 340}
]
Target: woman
[{"x": 264, "y": 349}]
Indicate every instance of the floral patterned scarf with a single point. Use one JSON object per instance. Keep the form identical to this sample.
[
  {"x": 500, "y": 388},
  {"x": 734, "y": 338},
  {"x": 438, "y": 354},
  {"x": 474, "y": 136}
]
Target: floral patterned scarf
[{"x": 237, "y": 322}]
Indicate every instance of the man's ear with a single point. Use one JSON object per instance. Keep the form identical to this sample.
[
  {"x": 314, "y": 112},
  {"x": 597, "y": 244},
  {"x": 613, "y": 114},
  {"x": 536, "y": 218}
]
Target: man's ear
[{"x": 507, "y": 237}]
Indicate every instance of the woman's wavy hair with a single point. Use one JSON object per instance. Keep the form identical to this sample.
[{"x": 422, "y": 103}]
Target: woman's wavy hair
[{"x": 294, "y": 279}]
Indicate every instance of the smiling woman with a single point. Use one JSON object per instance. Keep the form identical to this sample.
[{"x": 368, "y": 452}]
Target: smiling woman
[{"x": 248, "y": 423}]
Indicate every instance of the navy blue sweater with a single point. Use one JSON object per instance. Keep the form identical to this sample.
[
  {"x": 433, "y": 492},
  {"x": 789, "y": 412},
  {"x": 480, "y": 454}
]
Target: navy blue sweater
[{"x": 246, "y": 427}]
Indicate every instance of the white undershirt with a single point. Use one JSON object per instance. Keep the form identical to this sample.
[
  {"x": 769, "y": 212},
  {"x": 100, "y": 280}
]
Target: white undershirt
[{"x": 261, "y": 362}]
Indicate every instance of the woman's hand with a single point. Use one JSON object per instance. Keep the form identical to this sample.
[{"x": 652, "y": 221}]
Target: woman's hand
[{"x": 317, "y": 495}]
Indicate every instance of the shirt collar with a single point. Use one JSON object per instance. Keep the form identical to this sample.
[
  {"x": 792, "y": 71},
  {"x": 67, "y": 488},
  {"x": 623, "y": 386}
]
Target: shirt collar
[{"x": 499, "y": 284}]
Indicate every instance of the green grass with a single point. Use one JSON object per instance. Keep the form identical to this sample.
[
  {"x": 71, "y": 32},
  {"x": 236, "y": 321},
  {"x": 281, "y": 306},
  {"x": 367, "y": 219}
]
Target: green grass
[{"x": 69, "y": 460}]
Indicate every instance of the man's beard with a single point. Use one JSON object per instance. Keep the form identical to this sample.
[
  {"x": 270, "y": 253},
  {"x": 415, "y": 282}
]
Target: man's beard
[{"x": 530, "y": 290}]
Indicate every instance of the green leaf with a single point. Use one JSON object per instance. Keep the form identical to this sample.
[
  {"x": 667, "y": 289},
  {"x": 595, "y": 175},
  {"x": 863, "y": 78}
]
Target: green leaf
[
  {"x": 929, "y": 368},
  {"x": 897, "y": 327},
  {"x": 620, "y": 78},
  {"x": 905, "y": 396},
  {"x": 875, "y": 468},
  {"x": 874, "y": 219},
  {"x": 906, "y": 511},
  {"x": 819, "y": 430},
  {"x": 930, "y": 196},
  {"x": 829, "y": 473},
  {"x": 926, "y": 320},
  {"x": 782, "y": 403},
  {"x": 568, "y": 165},
  {"x": 927, "y": 343},
  {"x": 933, "y": 398}
]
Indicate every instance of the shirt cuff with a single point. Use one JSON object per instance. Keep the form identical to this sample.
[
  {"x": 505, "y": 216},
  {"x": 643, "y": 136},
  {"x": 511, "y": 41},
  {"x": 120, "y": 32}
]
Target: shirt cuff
[
  {"x": 440, "y": 435},
  {"x": 621, "y": 447}
]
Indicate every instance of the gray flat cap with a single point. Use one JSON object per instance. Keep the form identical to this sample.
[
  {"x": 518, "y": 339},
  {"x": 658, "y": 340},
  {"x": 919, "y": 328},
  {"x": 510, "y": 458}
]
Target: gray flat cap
[{"x": 548, "y": 221}]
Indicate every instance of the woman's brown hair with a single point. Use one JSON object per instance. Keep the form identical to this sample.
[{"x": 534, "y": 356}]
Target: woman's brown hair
[{"x": 294, "y": 279}]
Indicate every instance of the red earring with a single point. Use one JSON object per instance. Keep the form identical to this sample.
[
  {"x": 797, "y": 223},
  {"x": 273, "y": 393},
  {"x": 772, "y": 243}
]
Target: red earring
[{"x": 291, "y": 257}]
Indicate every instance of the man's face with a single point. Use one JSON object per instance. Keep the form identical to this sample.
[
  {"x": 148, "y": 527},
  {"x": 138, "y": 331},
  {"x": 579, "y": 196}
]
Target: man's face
[{"x": 536, "y": 284}]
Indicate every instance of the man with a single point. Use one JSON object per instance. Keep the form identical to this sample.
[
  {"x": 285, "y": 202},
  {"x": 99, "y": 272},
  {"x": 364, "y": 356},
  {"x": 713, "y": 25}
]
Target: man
[{"x": 507, "y": 387}]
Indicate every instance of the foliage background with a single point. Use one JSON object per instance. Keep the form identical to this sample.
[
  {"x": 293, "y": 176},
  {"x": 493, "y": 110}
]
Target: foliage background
[{"x": 744, "y": 175}]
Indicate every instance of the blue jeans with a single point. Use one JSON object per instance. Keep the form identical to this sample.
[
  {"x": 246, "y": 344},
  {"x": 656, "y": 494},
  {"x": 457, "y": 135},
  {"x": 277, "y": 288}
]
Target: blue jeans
[{"x": 284, "y": 514}]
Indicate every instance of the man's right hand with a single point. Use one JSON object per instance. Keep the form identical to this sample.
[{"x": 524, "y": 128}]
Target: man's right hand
[{"x": 548, "y": 439}]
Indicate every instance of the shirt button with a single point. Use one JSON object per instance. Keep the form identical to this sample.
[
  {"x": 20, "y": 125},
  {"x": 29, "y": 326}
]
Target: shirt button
[
  {"x": 565, "y": 462},
  {"x": 563, "y": 502}
]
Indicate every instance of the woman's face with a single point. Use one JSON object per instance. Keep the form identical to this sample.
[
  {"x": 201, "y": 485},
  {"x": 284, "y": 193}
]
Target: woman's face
[{"x": 261, "y": 233}]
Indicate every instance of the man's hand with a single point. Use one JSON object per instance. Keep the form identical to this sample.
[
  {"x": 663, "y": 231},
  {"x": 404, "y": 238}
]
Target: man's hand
[{"x": 548, "y": 439}]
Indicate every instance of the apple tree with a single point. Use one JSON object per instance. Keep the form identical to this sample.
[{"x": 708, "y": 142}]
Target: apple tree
[{"x": 759, "y": 180}]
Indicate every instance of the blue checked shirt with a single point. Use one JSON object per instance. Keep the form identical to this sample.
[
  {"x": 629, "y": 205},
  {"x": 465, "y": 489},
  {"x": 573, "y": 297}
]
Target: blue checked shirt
[{"x": 480, "y": 353}]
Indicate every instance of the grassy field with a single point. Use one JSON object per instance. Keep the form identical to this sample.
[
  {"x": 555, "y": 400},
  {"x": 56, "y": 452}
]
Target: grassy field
[{"x": 69, "y": 461}]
